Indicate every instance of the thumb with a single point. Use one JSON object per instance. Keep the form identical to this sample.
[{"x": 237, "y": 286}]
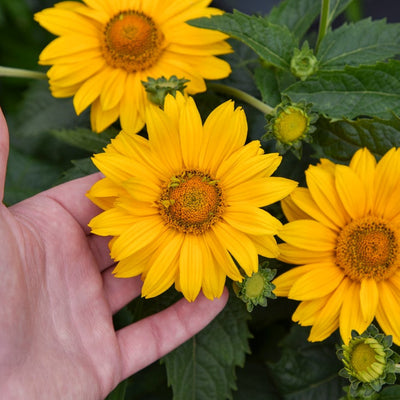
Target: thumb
[{"x": 4, "y": 144}]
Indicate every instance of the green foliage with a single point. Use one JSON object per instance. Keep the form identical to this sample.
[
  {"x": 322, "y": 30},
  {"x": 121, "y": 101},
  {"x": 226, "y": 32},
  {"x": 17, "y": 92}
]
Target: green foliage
[
  {"x": 253, "y": 31},
  {"x": 339, "y": 140},
  {"x": 356, "y": 91},
  {"x": 365, "y": 42},
  {"x": 307, "y": 371},
  {"x": 204, "y": 367}
]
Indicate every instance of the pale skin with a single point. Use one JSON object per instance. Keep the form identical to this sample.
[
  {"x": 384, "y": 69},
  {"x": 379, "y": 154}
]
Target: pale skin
[{"x": 58, "y": 295}]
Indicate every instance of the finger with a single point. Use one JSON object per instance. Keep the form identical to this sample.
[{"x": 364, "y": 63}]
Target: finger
[
  {"x": 151, "y": 338},
  {"x": 100, "y": 250},
  {"x": 72, "y": 196},
  {"x": 4, "y": 145},
  {"x": 120, "y": 291}
]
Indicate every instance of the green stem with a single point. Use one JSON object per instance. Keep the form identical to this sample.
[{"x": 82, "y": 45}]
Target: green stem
[
  {"x": 239, "y": 94},
  {"x": 323, "y": 21},
  {"x": 21, "y": 73}
]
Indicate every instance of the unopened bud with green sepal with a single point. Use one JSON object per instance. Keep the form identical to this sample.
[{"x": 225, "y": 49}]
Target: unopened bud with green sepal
[
  {"x": 303, "y": 63},
  {"x": 157, "y": 89}
]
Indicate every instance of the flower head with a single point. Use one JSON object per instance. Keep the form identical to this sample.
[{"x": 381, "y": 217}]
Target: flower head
[
  {"x": 290, "y": 125},
  {"x": 344, "y": 232},
  {"x": 255, "y": 289},
  {"x": 369, "y": 362},
  {"x": 106, "y": 48},
  {"x": 303, "y": 63},
  {"x": 181, "y": 204}
]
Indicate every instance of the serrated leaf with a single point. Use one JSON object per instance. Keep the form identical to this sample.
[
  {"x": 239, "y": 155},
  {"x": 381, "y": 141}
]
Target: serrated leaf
[
  {"x": 273, "y": 43},
  {"x": 40, "y": 112},
  {"x": 85, "y": 138},
  {"x": 307, "y": 371},
  {"x": 340, "y": 140},
  {"x": 363, "y": 91},
  {"x": 27, "y": 176},
  {"x": 390, "y": 393},
  {"x": 203, "y": 368},
  {"x": 119, "y": 392},
  {"x": 265, "y": 79},
  {"x": 82, "y": 167},
  {"x": 364, "y": 42},
  {"x": 297, "y": 15}
]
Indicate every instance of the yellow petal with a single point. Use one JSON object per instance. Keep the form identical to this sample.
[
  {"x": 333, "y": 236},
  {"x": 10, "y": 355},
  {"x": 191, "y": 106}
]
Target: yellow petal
[
  {"x": 193, "y": 263},
  {"x": 101, "y": 119},
  {"x": 239, "y": 245},
  {"x": 388, "y": 311},
  {"x": 327, "y": 320},
  {"x": 351, "y": 191},
  {"x": 369, "y": 298},
  {"x": 309, "y": 235},
  {"x": 321, "y": 183},
  {"x": 163, "y": 271},
  {"x": 261, "y": 192},
  {"x": 139, "y": 235},
  {"x": 294, "y": 255},
  {"x": 386, "y": 180},
  {"x": 285, "y": 281},
  {"x": 191, "y": 134},
  {"x": 266, "y": 245},
  {"x": 307, "y": 311},
  {"x": 351, "y": 316},
  {"x": 301, "y": 197},
  {"x": 225, "y": 130},
  {"x": 222, "y": 257},
  {"x": 291, "y": 210},
  {"x": 112, "y": 222},
  {"x": 323, "y": 279},
  {"x": 251, "y": 220}
]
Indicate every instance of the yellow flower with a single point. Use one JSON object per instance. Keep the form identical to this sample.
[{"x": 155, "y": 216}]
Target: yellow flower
[
  {"x": 181, "y": 204},
  {"x": 344, "y": 232},
  {"x": 106, "y": 48}
]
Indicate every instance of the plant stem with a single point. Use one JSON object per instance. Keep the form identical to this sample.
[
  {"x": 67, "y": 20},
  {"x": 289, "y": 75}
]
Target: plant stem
[
  {"x": 323, "y": 21},
  {"x": 239, "y": 94},
  {"x": 21, "y": 73}
]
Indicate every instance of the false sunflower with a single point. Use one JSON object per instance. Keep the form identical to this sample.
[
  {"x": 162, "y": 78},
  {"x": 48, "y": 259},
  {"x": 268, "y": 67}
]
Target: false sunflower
[
  {"x": 184, "y": 203},
  {"x": 344, "y": 232},
  {"x": 106, "y": 48}
]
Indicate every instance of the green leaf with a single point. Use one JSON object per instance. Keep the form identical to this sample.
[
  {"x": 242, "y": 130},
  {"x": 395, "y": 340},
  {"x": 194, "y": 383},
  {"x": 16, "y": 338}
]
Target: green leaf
[
  {"x": 267, "y": 84},
  {"x": 85, "y": 138},
  {"x": 363, "y": 91},
  {"x": 41, "y": 112},
  {"x": 27, "y": 176},
  {"x": 81, "y": 167},
  {"x": 307, "y": 371},
  {"x": 297, "y": 15},
  {"x": 119, "y": 392},
  {"x": 273, "y": 43},
  {"x": 340, "y": 140},
  {"x": 365, "y": 42},
  {"x": 336, "y": 7},
  {"x": 203, "y": 368},
  {"x": 390, "y": 393}
]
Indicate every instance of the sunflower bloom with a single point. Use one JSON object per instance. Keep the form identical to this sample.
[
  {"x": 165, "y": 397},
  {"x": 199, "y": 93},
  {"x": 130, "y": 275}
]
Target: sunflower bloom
[
  {"x": 344, "y": 232},
  {"x": 106, "y": 48},
  {"x": 182, "y": 204}
]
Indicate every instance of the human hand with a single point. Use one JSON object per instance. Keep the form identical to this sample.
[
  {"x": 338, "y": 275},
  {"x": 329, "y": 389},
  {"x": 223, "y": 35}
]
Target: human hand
[{"x": 57, "y": 339}]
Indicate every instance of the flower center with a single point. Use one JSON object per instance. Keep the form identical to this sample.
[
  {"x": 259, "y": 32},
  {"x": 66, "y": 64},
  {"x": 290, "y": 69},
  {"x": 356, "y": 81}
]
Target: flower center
[
  {"x": 364, "y": 361},
  {"x": 291, "y": 124},
  {"x": 368, "y": 248},
  {"x": 132, "y": 41},
  {"x": 191, "y": 202}
]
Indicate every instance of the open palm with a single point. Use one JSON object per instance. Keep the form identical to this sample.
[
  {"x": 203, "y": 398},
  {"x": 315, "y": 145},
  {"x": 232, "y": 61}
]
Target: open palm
[{"x": 57, "y": 295}]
